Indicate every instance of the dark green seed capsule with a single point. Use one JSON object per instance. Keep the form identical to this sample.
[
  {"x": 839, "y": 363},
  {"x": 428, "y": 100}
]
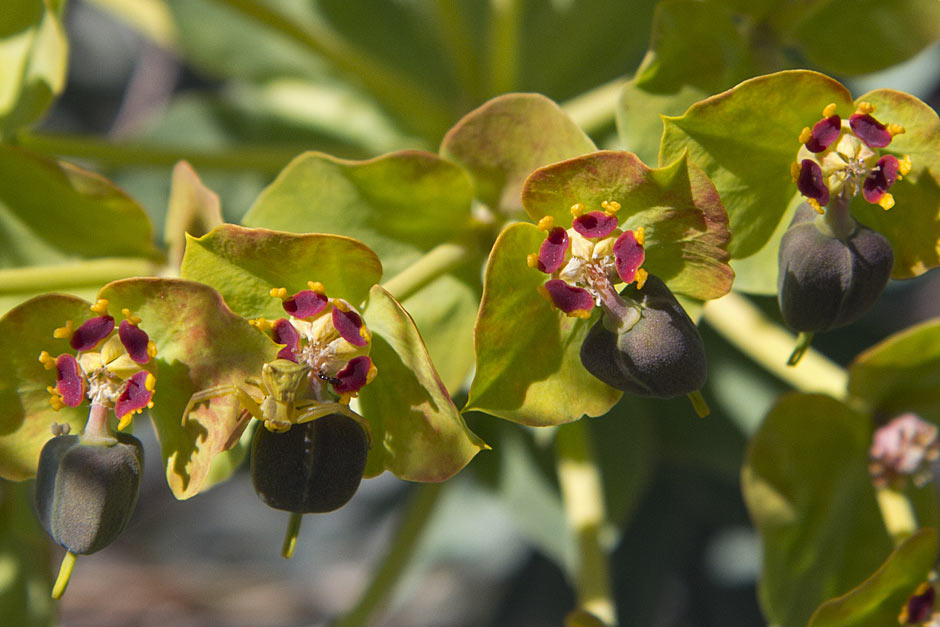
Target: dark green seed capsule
[
  {"x": 85, "y": 494},
  {"x": 661, "y": 356},
  {"x": 314, "y": 467},
  {"x": 827, "y": 282}
]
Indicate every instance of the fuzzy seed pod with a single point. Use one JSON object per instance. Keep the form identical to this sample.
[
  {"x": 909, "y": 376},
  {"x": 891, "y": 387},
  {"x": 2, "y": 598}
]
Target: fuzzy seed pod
[
  {"x": 661, "y": 356},
  {"x": 828, "y": 282},
  {"x": 313, "y": 467},
  {"x": 85, "y": 494}
]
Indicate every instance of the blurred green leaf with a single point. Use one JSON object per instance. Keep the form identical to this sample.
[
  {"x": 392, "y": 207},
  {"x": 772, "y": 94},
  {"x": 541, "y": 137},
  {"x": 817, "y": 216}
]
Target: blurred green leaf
[
  {"x": 528, "y": 364},
  {"x": 805, "y": 481},
  {"x": 33, "y": 61},
  {"x": 696, "y": 50},
  {"x": 25, "y": 413},
  {"x": 860, "y": 36},
  {"x": 417, "y": 432},
  {"x": 25, "y": 561},
  {"x": 902, "y": 373},
  {"x": 504, "y": 140},
  {"x": 911, "y": 226},
  {"x": 878, "y": 600},
  {"x": 200, "y": 344},
  {"x": 685, "y": 224},
  {"x": 244, "y": 264},
  {"x": 194, "y": 209},
  {"x": 745, "y": 140}
]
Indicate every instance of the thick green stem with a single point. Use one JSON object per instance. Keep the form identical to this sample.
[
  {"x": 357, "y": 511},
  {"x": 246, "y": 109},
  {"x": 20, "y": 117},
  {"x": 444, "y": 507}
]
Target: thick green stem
[
  {"x": 97, "y": 431},
  {"x": 583, "y": 497},
  {"x": 745, "y": 326},
  {"x": 394, "y": 89},
  {"x": 436, "y": 262},
  {"x": 596, "y": 109},
  {"x": 65, "y": 276},
  {"x": 421, "y": 507},
  {"x": 897, "y": 513}
]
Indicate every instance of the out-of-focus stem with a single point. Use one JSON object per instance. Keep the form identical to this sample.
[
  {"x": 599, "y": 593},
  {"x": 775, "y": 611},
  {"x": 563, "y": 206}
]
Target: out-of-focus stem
[
  {"x": 595, "y": 109},
  {"x": 65, "y": 276},
  {"x": 583, "y": 497},
  {"x": 436, "y": 262},
  {"x": 897, "y": 513}
]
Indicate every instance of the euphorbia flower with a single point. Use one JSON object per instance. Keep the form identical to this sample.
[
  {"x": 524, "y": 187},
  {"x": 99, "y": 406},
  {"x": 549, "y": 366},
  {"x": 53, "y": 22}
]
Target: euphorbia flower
[
  {"x": 587, "y": 260},
  {"x": 112, "y": 366},
  {"x": 839, "y": 158},
  {"x": 327, "y": 335}
]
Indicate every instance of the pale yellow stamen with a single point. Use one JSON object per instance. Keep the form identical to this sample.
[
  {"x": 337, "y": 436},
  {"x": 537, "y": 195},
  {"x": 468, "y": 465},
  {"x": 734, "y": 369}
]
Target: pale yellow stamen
[
  {"x": 865, "y": 108},
  {"x": 547, "y": 222},
  {"x": 829, "y": 110},
  {"x": 896, "y": 129},
  {"x": 640, "y": 235},
  {"x": 317, "y": 287},
  {"x": 579, "y": 313},
  {"x": 279, "y": 292},
  {"x": 795, "y": 171},
  {"x": 100, "y": 307},
  {"x": 641, "y": 276},
  {"x": 56, "y": 401},
  {"x": 577, "y": 209},
  {"x": 47, "y": 360},
  {"x": 904, "y": 165},
  {"x": 611, "y": 206},
  {"x": 805, "y": 135},
  {"x": 151, "y": 349},
  {"x": 131, "y": 318},
  {"x": 263, "y": 324},
  {"x": 532, "y": 260},
  {"x": 886, "y": 202},
  {"x": 125, "y": 420},
  {"x": 150, "y": 383},
  {"x": 815, "y": 205},
  {"x": 66, "y": 332}
]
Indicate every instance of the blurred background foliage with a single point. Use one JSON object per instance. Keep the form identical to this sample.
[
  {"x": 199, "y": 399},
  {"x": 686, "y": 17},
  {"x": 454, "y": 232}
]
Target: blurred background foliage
[{"x": 238, "y": 88}]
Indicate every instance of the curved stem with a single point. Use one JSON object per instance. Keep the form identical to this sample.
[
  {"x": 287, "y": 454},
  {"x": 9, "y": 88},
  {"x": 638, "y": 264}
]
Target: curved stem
[
  {"x": 803, "y": 340},
  {"x": 596, "y": 109},
  {"x": 435, "y": 263},
  {"x": 86, "y": 273},
  {"x": 290, "y": 537},
  {"x": 897, "y": 513},
  {"x": 505, "y": 19},
  {"x": 583, "y": 497},
  {"x": 746, "y": 327},
  {"x": 65, "y": 574},
  {"x": 421, "y": 507}
]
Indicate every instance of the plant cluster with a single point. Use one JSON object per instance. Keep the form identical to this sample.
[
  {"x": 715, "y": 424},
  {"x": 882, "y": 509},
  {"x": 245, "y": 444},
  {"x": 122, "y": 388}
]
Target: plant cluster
[{"x": 362, "y": 314}]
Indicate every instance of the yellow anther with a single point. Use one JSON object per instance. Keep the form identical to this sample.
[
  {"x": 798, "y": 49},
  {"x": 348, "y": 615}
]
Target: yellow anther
[
  {"x": 150, "y": 383},
  {"x": 151, "y": 349},
  {"x": 125, "y": 420},
  {"x": 316, "y": 286},
  {"x": 371, "y": 374},
  {"x": 66, "y": 332},
  {"x": 263, "y": 324},
  {"x": 580, "y": 313},
  {"x": 279, "y": 292},
  {"x": 640, "y": 235},
  {"x": 805, "y": 135},
  {"x": 546, "y": 223},
  {"x": 131, "y": 318},
  {"x": 829, "y": 110},
  {"x": 577, "y": 209},
  {"x": 340, "y": 304},
  {"x": 904, "y": 165},
  {"x": 364, "y": 333},
  {"x": 886, "y": 202},
  {"x": 795, "y": 170},
  {"x": 56, "y": 402},
  {"x": 865, "y": 108},
  {"x": 611, "y": 206},
  {"x": 815, "y": 205},
  {"x": 532, "y": 260},
  {"x": 641, "y": 276},
  {"x": 544, "y": 293},
  {"x": 896, "y": 129},
  {"x": 100, "y": 307},
  {"x": 345, "y": 397},
  {"x": 47, "y": 360}
]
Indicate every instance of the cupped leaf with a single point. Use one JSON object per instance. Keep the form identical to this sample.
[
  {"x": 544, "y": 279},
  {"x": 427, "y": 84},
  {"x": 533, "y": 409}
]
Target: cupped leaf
[
  {"x": 417, "y": 432},
  {"x": 806, "y": 485},
  {"x": 193, "y": 209},
  {"x": 911, "y": 226},
  {"x": 504, "y": 140},
  {"x": 34, "y": 57},
  {"x": 528, "y": 365},
  {"x": 244, "y": 264},
  {"x": 52, "y": 211},
  {"x": 696, "y": 50},
  {"x": 746, "y": 138},
  {"x": 902, "y": 373},
  {"x": 878, "y": 600},
  {"x": 861, "y": 36},
  {"x": 25, "y": 413},
  {"x": 678, "y": 207},
  {"x": 201, "y": 344}
]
